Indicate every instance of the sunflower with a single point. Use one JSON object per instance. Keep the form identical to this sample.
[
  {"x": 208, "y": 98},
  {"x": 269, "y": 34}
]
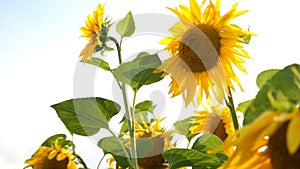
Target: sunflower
[
  {"x": 52, "y": 157},
  {"x": 159, "y": 138},
  {"x": 95, "y": 31},
  {"x": 270, "y": 142},
  {"x": 218, "y": 122},
  {"x": 204, "y": 48}
]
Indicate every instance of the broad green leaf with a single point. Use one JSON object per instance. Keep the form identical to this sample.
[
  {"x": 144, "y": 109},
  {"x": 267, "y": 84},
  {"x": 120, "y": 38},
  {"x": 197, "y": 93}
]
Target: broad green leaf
[
  {"x": 280, "y": 93},
  {"x": 210, "y": 142},
  {"x": 139, "y": 72},
  {"x": 146, "y": 105},
  {"x": 190, "y": 158},
  {"x": 144, "y": 147},
  {"x": 85, "y": 116},
  {"x": 264, "y": 76},
  {"x": 242, "y": 107},
  {"x": 184, "y": 127},
  {"x": 99, "y": 63},
  {"x": 142, "y": 54},
  {"x": 126, "y": 26},
  {"x": 50, "y": 141},
  {"x": 111, "y": 145}
]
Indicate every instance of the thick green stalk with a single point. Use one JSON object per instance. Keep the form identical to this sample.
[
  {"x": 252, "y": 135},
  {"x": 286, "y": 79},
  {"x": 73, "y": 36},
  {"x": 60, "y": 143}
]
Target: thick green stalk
[
  {"x": 230, "y": 104},
  {"x": 132, "y": 133},
  {"x": 129, "y": 115}
]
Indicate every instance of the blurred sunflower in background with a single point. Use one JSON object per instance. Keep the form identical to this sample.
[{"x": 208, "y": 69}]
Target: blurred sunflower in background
[
  {"x": 95, "y": 31},
  {"x": 218, "y": 122},
  {"x": 52, "y": 157},
  {"x": 204, "y": 47},
  {"x": 272, "y": 141},
  {"x": 160, "y": 141}
]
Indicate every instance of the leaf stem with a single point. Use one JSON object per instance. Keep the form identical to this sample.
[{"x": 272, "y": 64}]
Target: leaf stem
[
  {"x": 102, "y": 158},
  {"x": 230, "y": 104}
]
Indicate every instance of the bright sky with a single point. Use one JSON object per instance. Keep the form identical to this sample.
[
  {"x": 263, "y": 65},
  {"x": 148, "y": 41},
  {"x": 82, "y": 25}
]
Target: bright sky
[{"x": 39, "y": 51}]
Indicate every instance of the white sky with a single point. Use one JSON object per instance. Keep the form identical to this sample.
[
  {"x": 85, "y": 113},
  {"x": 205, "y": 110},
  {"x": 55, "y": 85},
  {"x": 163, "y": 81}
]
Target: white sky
[{"x": 39, "y": 51}]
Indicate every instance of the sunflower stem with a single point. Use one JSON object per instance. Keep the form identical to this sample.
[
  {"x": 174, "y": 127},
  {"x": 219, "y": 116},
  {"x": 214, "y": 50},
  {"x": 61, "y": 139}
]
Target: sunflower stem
[
  {"x": 81, "y": 161},
  {"x": 129, "y": 115},
  {"x": 230, "y": 104},
  {"x": 123, "y": 148},
  {"x": 118, "y": 47},
  {"x": 132, "y": 133}
]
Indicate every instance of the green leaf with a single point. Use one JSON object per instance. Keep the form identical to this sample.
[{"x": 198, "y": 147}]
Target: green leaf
[
  {"x": 280, "y": 93},
  {"x": 144, "y": 147},
  {"x": 99, "y": 63},
  {"x": 111, "y": 145},
  {"x": 210, "y": 142},
  {"x": 139, "y": 72},
  {"x": 126, "y": 26},
  {"x": 184, "y": 127},
  {"x": 146, "y": 105},
  {"x": 264, "y": 76},
  {"x": 242, "y": 107},
  {"x": 85, "y": 116},
  {"x": 50, "y": 141},
  {"x": 185, "y": 157}
]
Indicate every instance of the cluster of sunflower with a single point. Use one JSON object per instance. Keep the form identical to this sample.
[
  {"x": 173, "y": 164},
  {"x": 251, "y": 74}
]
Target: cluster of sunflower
[{"x": 205, "y": 48}]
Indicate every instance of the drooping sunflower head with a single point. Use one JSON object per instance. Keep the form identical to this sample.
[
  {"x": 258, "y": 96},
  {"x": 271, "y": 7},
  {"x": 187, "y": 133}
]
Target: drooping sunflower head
[
  {"x": 272, "y": 141},
  {"x": 204, "y": 47},
  {"x": 95, "y": 31},
  {"x": 217, "y": 121},
  {"x": 52, "y": 157}
]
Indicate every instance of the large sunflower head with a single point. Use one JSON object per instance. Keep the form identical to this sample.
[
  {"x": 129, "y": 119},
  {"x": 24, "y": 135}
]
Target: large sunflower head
[
  {"x": 95, "y": 31},
  {"x": 272, "y": 141},
  {"x": 52, "y": 157},
  {"x": 204, "y": 48},
  {"x": 217, "y": 121}
]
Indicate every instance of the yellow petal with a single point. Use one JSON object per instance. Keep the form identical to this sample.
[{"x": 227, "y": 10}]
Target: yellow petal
[
  {"x": 52, "y": 154},
  {"x": 293, "y": 136}
]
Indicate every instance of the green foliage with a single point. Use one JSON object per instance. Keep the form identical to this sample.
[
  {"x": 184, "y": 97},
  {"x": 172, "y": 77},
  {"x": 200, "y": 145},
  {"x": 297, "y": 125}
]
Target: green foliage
[
  {"x": 139, "y": 72},
  {"x": 280, "y": 93},
  {"x": 210, "y": 142},
  {"x": 146, "y": 105},
  {"x": 144, "y": 146},
  {"x": 85, "y": 116},
  {"x": 184, "y": 127},
  {"x": 186, "y": 157},
  {"x": 264, "y": 76},
  {"x": 49, "y": 142},
  {"x": 99, "y": 63},
  {"x": 242, "y": 107},
  {"x": 111, "y": 145},
  {"x": 141, "y": 114},
  {"x": 126, "y": 26}
]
